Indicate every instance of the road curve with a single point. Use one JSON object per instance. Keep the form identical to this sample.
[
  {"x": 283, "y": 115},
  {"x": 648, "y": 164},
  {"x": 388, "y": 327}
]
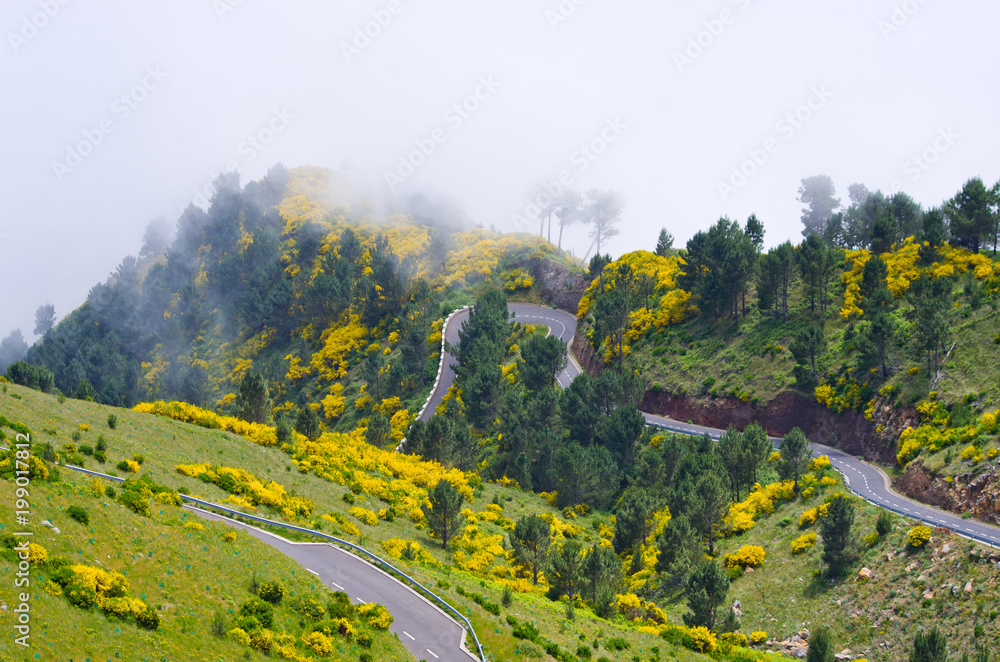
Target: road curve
[
  {"x": 864, "y": 479},
  {"x": 421, "y": 627}
]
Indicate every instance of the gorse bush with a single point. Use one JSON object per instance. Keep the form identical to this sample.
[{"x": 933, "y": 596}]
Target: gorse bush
[{"x": 79, "y": 514}]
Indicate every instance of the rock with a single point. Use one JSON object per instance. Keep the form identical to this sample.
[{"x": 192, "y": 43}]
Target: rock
[
  {"x": 928, "y": 595},
  {"x": 800, "y": 652},
  {"x": 804, "y": 633},
  {"x": 946, "y": 548},
  {"x": 864, "y": 573},
  {"x": 749, "y": 569},
  {"x": 46, "y": 523},
  {"x": 968, "y": 587},
  {"x": 55, "y": 529},
  {"x": 911, "y": 567}
]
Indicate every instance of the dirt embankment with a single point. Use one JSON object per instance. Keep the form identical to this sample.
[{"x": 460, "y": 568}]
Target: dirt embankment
[
  {"x": 977, "y": 492},
  {"x": 848, "y": 431},
  {"x": 558, "y": 284}
]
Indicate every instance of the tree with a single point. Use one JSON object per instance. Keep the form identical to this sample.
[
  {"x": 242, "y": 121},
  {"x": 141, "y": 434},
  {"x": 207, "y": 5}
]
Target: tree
[
  {"x": 757, "y": 448},
  {"x": 795, "y": 454},
  {"x": 156, "y": 238},
  {"x": 929, "y": 647},
  {"x": 838, "y": 539},
  {"x": 444, "y": 518},
  {"x": 633, "y": 519},
  {"x": 875, "y": 340},
  {"x": 664, "y": 243},
  {"x": 679, "y": 550},
  {"x": 710, "y": 506},
  {"x": 706, "y": 588},
  {"x": 253, "y": 400},
  {"x": 602, "y": 577},
  {"x": 543, "y": 359},
  {"x": 45, "y": 318},
  {"x": 774, "y": 278},
  {"x": 612, "y": 312},
  {"x": 730, "y": 451},
  {"x": 12, "y": 349},
  {"x": 565, "y": 568},
  {"x": 530, "y": 542},
  {"x": 818, "y": 193},
  {"x": 604, "y": 212},
  {"x": 754, "y": 230},
  {"x": 971, "y": 216},
  {"x": 820, "y": 646},
  {"x": 569, "y": 206},
  {"x": 307, "y": 422},
  {"x": 809, "y": 345},
  {"x": 814, "y": 258},
  {"x": 378, "y": 430},
  {"x": 931, "y": 300}
]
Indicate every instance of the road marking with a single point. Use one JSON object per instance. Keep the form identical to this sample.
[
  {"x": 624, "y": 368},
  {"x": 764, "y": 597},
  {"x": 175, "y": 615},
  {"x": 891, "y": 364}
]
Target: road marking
[
  {"x": 360, "y": 601},
  {"x": 337, "y": 585},
  {"x": 409, "y": 635},
  {"x": 432, "y": 652},
  {"x": 313, "y": 572}
]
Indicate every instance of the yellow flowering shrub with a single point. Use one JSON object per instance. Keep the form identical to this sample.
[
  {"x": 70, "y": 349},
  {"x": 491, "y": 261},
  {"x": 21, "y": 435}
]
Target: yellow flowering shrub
[
  {"x": 318, "y": 643},
  {"x": 239, "y": 636},
  {"x": 194, "y": 526},
  {"x": 103, "y": 582},
  {"x": 364, "y": 515},
  {"x": 758, "y": 636},
  {"x": 333, "y": 404},
  {"x": 760, "y": 501},
  {"x": 818, "y": 464},
  {"x": 808, "y": 518},
  {"x": 376, "y": 615},
  {"x": 746, "y": 556},
  {"x": 248, "y": 488},
  {"x": 181, "y": 411},
  {"x": 803, "y": 543},
  {"x": 733, "y": 638},
  {"x": 828, "y": 481},
  {"x": 37, "y": 555},
  {"x": 918, "y": 536}
]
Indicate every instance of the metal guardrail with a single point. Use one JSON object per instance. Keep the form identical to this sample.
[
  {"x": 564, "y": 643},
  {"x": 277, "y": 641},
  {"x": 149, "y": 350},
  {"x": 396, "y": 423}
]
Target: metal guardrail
[{"x": 319, "y": 534}]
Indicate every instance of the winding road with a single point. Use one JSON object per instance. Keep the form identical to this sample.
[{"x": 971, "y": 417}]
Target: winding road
[{"x": 864, "y": 479}]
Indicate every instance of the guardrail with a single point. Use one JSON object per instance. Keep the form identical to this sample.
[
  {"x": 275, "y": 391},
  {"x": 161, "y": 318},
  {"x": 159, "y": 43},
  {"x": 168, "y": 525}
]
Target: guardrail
[{"x": 319, "y": 534}]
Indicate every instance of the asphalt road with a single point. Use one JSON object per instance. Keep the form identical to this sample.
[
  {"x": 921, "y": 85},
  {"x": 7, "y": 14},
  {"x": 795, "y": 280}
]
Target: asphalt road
[
  {"x": 422, "y": 627},
  {"x": 864, "y": 479}
]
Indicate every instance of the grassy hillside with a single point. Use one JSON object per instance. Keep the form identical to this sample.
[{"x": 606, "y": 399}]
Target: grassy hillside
[{"x": 783, "y": 596}]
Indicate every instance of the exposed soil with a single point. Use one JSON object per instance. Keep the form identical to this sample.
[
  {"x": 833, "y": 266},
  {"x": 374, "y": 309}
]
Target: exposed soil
[
  {"x": 977, "y": 492},
  {"x": 558, "y": 284},
  {"x": 848, "y": 431}
]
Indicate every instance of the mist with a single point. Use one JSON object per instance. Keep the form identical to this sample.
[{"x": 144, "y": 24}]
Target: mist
[{"x": 121, "y": 113}]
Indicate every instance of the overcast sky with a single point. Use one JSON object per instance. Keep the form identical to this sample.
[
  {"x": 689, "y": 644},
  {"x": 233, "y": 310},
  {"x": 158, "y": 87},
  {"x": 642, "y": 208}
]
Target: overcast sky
[{"x": 116, "y": 112}]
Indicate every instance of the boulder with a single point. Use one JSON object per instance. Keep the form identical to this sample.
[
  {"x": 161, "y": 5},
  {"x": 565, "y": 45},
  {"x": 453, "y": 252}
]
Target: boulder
[
  {"x": 864, "y": 573},
  {"x": 968, "y": 587}
]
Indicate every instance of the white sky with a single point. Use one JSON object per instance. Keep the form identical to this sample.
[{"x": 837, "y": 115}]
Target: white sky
[{"x": 563, "y": 70}]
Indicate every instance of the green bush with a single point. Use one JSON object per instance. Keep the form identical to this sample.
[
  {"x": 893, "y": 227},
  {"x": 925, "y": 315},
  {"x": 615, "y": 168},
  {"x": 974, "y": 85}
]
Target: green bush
[
  {"x": 271, "y": 592},
  {"x": 112, "y": 421},
  {"x": 100, "y": 456},
  {"x": 135, "y": 502},
  {"x": 584, "y": 652},
  {"x": 109, "y": 492},
  {"x": 365, "y": 640},
  {"x": 883, "y": 525},
  {"x": 81, "y": 595},
  {"x": 87, "y": 450},
  {"x": 260, "y": 610},
  {"x": 615, "y": 644},
  {"x": 148, "y": 618},
  {"x": 340, "y": 606},
  {"x": 79, "y": 514},
  {"x": 102, "y": 444},
  {"x": 123, "y": 466}
]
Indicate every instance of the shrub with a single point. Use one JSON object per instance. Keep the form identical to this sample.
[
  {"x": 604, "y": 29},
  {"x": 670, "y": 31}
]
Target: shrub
[
  {"x": 804, "y": 542},
  {"x": 506, "y": 598},
  {"x": 109, "y": 492},
  {"x": 102, "y": 444},
  {"x": 918, "y": 536},
  {"x": 271, "y": 592},
  {"x": 808, "y": 518},
  {"x": 733, "y": 638},
  {"x": 100, "y": 456},
  {"x": 340, "y": 606},
  {"x": 260, "y": 610},
  {"x": 79, "y": 514},
  {"x": 112, "y": 421},
  {"x": 872, "y": 539},
  {"x": 376, "y": 615},
  {"x": 746, "y": 556},
  {"x": 230, "y": 536},
  {"x": 148, "y": 618},
  {"x": 136, "y": 502},
  {"x": 217, "y": 626},
  {"x": 584, "y": 652},
  {"x": 138, "y": 458},
  {"x": 758, "y": 636},
  {"x": 80, "y": 595},
  {"x": 616, "y": 644},
  {"x": 87, "y": 450},
  {"x": 883, "y": 525}
]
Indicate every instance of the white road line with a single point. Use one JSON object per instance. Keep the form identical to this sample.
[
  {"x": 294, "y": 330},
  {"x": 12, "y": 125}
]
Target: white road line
[
  {"x": 432, "y": 652},
  {"x": 338, "y": 586},
  {"x": 360, "y": 601},
  {"x": 409, "y": 635},
  {"x": 313, "y": 572}
]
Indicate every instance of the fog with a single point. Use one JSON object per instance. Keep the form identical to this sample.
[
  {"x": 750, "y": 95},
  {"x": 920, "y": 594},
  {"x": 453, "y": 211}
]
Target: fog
[{"x": 116, "y": 113}]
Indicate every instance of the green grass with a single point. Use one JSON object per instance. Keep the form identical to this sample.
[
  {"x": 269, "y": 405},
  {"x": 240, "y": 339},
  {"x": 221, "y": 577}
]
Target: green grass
[{"x": 189, "y": 574}]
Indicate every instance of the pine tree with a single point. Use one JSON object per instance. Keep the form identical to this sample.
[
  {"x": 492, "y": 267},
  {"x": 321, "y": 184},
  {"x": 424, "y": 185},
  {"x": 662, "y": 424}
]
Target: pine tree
[
  {"x": 602, "y": 578},
  {"x": 929, "y": 647},
  {"x": 530, "y": 542},
  {"x": 253, "y": 400},
  {"x": 664, "y": 243},
  {"x": 838, "y": 539},
  {"x": 706, "y": 588},
  {"x": 820, "y": 646},
  {"x": 795, "y": 454},
  {"x": 444, "y": 517}
]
